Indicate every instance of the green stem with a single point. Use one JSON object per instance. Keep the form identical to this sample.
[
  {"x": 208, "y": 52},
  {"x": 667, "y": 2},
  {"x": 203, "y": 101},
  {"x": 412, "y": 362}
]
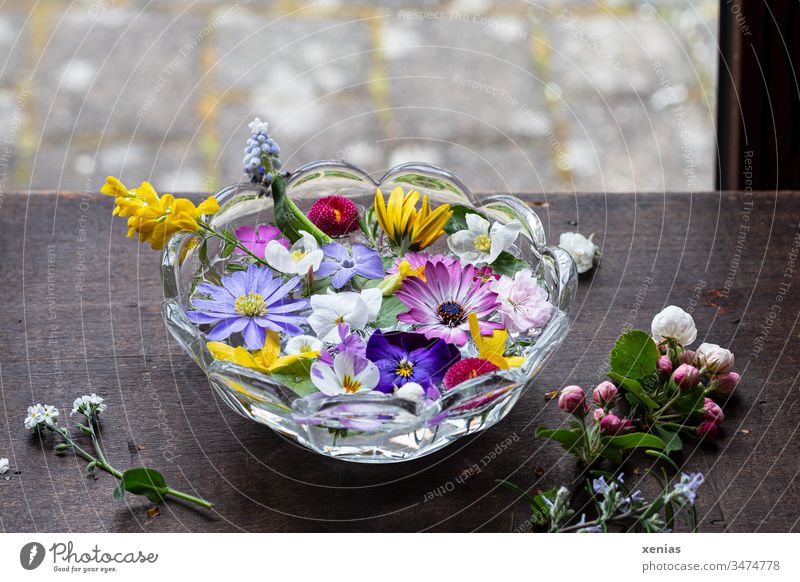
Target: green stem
[
  {"x": 99, "y": 463},
  {"x": 190, "y": 498},
  {"x": 222, "y": 236}
]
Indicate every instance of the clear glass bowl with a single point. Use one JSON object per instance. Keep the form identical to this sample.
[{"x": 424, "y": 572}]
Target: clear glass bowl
[{"x": 370, "y": 427}]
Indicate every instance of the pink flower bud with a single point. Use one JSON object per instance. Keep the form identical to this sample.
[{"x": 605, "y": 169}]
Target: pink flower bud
[
  {"x": 664, "y": 365},
  {"x": 598, "y": 414},
  {"x": 688, "y": 357},
  {"x": 604, "y": 394},
  {"x": 713, "y": 413},
  {"x": 611, "y": 424},
  {"x": 573, "y": 399},
  {"x": 725, "y": 384},
  {"x": 686, "y": 377},
  {"x": 708, "y": 430}
]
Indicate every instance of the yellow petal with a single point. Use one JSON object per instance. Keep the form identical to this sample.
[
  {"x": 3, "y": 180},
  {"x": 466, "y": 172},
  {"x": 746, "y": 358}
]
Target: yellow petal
[
  {"x": 239, "y": 355},
  {"x": 113, "y": 187},
  {"x": 267, "y": 355},
  {"x": 381, "y": 214},
  {"x": 489, "y": 347},
  {"x": 290, "y": 359},
  {"x": 208, "y": 206}
]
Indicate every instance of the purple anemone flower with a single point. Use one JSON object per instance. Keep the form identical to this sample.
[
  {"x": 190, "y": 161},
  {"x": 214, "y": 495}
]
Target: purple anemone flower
[
  {"x": 441, "y": 304},
  {"x": 404, "y": 357},
  {"x": 256, "y": 240},
  {"x": 344, "y": 266},
  {"x": 249, "y": 302}
]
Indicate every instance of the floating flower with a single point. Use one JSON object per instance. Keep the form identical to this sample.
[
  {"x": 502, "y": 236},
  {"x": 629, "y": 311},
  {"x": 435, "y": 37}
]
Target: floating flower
[
  {"x": 303, "y": 344},
  {"x": 405, "y": 357},
  {"x": 249, "y": 302},
  {"x": 486, "y": 274},
  {"x": 523, "y": 303},
  {"x": 303, "y": 255},
  {"x": 350, "y": 374},
  {"x": 4, "y": 463},
  {"x": 255, "y": 240},
  {"x": 582, "y": 250},
  {"x": 354, "y": 309},
  {"x": 467, "y": 369},
  {"x": 413, "y": 264},
  {"x": 156, "y": 219},
  {"x": 440, "y": 305},
  {"x": 267, "y": 359},
  {"x": 334, "y": 215},
  {"x": 493, "y": 346},
  {"x": 350, "y": 342},
  {"x": 89, "y": 405},
  {"x": 344, "y": 265},
  {"x": 261, "y": 154},
  {"x": 482, "y": 241},
  {"x": 407, "y": 229},
  {"x": 673, "y": 323}
]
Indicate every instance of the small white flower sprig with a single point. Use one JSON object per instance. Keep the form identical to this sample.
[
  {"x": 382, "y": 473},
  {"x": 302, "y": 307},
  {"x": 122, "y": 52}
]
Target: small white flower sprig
[{"x": 139, "y": 481}]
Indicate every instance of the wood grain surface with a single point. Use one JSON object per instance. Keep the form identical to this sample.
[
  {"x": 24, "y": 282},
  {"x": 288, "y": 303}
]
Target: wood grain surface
[{"x": 81, "y": 313}]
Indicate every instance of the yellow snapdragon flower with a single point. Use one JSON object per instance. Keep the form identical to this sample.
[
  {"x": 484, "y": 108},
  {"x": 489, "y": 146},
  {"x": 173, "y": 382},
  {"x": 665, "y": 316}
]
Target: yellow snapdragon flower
[
  {"x": 492, "y": 347},
  {"x": 155, "y": 218},
  {"x": 267, "y": 359},
  {"x": 407, "y": 229}
]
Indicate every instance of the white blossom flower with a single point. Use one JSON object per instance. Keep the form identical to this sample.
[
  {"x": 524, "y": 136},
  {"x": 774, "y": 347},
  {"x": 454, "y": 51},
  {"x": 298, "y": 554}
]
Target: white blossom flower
[
  {"x": 523, "y": 303},
  {"x": 483, "y": 241},
  {"x": 85, "y": 404},
  {"x": 581, "y": 249},
  {"x": 688, "y": 485},
  {"x": 35, "y": 416},
  {"x": 301, "y": 344},
  {"x": 714, "y": 358},
  {"x": 50, "y": 415},
  {"x": 3, "y": 466},
  {"x": 354, "y": 309},
  {"x": 350, "y": 374},
  {"x": 411, "y": 391},
  {"x": 673, "y": 323},
  {"x": 302, "y": 255}
]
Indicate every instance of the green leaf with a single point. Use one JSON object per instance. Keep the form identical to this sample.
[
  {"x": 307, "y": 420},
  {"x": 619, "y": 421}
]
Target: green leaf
[
  {"x": 90, "y": 467},
  {"x": 458, "y": 221},
  {"x": 390, "y": 309},
  {"x": 568, "y": 438},
  {"x": 289, "y": 218},
  {"x": 146, "y": 482},
  {"x": 663, "y": 457},
  {"x": 612, "y": 454},
  {"x": 507, "y": 264},
  {"x": 236, "y": 267},
  {"x": 672, "y": 438},
  {"x": 296, "y": 376},
  {"x": 119, "y": 492},
  {"x": 635, "y": 388},
  {"x": 634, "y": 440},
  {"x": 634, "y": 355},
  {"x": 690, "y": 401},
  {"x": 519, "y": 491}
]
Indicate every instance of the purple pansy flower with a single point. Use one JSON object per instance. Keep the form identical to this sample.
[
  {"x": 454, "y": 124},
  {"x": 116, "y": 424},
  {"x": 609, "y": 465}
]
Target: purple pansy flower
[
  {"x": 249, "y": 302},
  {"x": 363, "y": 261},
  {"x": 405, "y": 357},
  {"x": 441, "y": 304},
  {"x": 256, "y": 240}
]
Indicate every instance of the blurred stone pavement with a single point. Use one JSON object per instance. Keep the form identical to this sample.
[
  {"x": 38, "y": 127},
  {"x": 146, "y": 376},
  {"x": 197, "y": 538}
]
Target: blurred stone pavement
[{"x": 544, "y": 95}]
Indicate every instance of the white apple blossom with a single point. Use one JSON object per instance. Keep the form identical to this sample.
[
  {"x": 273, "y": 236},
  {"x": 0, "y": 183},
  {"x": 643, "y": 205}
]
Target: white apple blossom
[
  {"x": 482, "y": 241},
  {"x": 350, "y": 374},
  {"x": 301, "y": 344},
  {"x": 411, "y": 391},
  {"x": 303, "y": 255},
  {"x": 354, "y": 309},
  {"x": 714, "y": 359},
  {"x": 582, "y": 250},
  {"x": 3, "y": 466},
  {"x": 673, "y": 323}
]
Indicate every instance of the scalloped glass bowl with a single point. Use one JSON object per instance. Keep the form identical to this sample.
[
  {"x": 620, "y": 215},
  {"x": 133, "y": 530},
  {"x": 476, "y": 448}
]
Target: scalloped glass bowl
[{"x": 368, "y": 427}]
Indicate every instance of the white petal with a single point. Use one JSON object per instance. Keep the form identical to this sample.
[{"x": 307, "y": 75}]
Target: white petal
[
  {"x": 279, "y": 258},
  {"x": 368, "y": 378},
  {"x": 325, "y": 380},
  {"x": 503, "y": 236},
  {"x": 308, "y": 242},
  {"x": 373, "y": 299},
  {"x": 410, "y": 391},
  {"x": 462, "y": 243},
  {"x": 477, "y": 224},
  {"x": 303, "y": 343},
  {"x": 313, "y": 260},
  {"x": 322, "y": 321},
  {"x": 344, "y": 365}
]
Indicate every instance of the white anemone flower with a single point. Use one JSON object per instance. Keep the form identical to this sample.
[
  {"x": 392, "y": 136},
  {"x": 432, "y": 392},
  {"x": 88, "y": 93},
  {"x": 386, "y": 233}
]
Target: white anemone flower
[
  {"x": 673, "y": 323},
  {"x": 350, "y": 374},
  {"x": 483, "y": 241},
  {"x": 354, "y": 309},
  {"x": 302, "y": 344},
  {"x": 3, "y": 466},
  {"x": 582, "y": 250},
  {"x": 303, "y": 255}
]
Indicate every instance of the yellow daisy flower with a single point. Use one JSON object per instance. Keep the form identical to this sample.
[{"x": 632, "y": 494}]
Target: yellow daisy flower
[
  {"x": 406, "y": 228},
  {"x": 492, "y": 347}
]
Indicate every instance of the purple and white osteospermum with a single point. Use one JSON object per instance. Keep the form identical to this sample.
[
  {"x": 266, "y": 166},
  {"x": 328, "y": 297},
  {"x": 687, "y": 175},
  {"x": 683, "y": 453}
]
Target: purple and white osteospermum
[
  {"x": 350, "y": 374},
  {"x": 249, "y": 302}
]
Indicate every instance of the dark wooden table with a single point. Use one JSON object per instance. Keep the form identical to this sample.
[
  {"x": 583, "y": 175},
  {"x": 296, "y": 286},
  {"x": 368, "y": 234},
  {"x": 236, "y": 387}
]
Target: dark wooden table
[{"x": 81, "y": 313}]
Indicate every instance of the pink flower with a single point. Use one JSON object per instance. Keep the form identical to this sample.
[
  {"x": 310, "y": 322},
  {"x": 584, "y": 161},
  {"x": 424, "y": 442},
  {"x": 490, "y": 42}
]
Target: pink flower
[
  {"x": 334, "y": 215},
  {"x": 256, "y": 240},
  {"x": 708, "y": 430},
  {"x": 713, "y": 413},
  {"x": 598, "y": 414},
  {"x": 664, "y": 365},
  {"x": 486, "y": 274},
  {"x": 604, "y": 394},
  {"x": 725, "y": 384},
  {"x": 686, "y": 377},
  {"x": 573, "y": 399},
  {"x": 687, "y": 357},
  {"x": 467, "y": 369},
  {"x": 523, "y": 303},
  {"x": 611, "y": 424}
]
